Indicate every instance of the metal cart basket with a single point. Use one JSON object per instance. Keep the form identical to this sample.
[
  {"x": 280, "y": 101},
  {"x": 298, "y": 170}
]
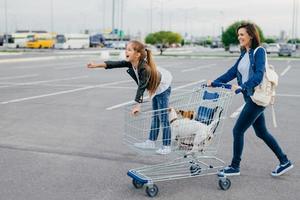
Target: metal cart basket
[{"x": 195, "y": 120}]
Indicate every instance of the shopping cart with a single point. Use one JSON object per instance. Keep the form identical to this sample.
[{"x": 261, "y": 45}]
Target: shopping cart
[{"x": 196, "y": 119}]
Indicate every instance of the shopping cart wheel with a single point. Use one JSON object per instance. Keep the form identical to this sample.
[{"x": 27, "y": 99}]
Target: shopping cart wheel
[
  {"x": 137, "y": 184},
  {"x": 224, "y": 183},
  {"x": 152, "y": 190},
  {"x": 195, "y": 169}
]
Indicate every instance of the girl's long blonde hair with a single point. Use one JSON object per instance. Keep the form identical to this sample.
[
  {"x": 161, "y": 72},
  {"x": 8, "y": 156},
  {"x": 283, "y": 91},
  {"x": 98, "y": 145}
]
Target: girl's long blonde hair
[{"x": 146, "y": 54}]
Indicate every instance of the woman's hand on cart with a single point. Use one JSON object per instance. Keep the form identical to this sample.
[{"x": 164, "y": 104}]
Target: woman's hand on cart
[
  {"x": 236, "y": 89},
  {"x": 136, "y": 109},
  {"x": 208, "y": 83}
]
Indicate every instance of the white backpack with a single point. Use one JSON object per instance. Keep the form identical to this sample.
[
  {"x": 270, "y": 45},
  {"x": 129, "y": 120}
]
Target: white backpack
[{"x": 264, "y": 93}]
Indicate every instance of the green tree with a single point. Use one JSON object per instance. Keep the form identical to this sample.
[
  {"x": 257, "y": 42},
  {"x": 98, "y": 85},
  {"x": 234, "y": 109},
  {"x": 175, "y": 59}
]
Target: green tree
[
  {"x": 270, "y": 40},
  {"x": 230, "y": 36},
  {"x": 163, "y": 37},
  {"x": 293, "y": 41}
]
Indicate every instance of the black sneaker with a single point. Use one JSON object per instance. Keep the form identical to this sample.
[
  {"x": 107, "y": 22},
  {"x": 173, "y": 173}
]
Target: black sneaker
[
  {"x": 229, "y": 171},
  {"x": 283, "y": 168}
]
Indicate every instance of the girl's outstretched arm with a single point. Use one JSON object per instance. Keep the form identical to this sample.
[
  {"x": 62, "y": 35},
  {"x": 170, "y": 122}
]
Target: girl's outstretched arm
[{"x": 94, "y": 65}]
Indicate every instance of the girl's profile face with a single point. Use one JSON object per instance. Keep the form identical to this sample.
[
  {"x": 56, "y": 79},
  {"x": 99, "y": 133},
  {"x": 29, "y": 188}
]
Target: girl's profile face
[
  {"x": 131, "y": 54},
  {"x": 244, "y": 38}
]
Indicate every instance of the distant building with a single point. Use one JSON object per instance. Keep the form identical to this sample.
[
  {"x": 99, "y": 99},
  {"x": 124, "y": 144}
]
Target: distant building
[{"x": 282, "y": 36}]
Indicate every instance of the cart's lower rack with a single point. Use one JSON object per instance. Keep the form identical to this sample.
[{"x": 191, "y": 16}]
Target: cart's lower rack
[{"x": 177, "y": 169}]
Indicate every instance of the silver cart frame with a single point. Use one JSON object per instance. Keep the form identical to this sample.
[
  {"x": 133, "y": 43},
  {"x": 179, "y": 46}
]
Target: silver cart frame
[{"x": 185, "y": 160}]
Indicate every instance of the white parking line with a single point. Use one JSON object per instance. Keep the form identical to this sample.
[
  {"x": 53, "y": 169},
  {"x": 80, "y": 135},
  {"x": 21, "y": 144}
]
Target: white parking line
[
  {"x": 62, "y": 92},
  {"x": 56, "y": 65},
  {"x": 147, "y": 97},
  {"x": 288, "y": 95},
  {"x": 14, "y": 60},
  {"x": 10, "y": 84},
  {"x": 77, "y": 65},
  {"x": 197, "y": 68},
  {"x": 237, "y": 112},
  {"x": 285, "y": 70},
  {"x": 64, "y": 85},
  {"x": 17, "y": 77},
  {"x": 119, "y": 87}
]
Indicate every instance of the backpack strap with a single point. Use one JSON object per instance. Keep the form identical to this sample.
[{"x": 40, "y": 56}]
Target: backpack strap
[
  {"x": 267, "y": 63},
  {"x": 272, "y": 104},
  {"x": 256, "y": 49}
]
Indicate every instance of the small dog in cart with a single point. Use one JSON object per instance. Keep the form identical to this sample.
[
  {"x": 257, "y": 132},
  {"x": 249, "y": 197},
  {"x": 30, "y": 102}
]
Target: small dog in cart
[{"x": 190, "y": 134}]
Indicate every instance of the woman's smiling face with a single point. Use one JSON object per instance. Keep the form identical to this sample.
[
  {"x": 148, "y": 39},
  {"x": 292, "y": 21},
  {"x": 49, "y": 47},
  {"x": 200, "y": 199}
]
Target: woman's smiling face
[{"x": 244, "y": 38}]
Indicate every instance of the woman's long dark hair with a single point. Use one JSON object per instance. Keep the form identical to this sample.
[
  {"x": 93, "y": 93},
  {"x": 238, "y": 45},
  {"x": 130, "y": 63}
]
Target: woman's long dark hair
[
  {"x": 252, "y": 32},
  {"x": 147, "y": 54}
]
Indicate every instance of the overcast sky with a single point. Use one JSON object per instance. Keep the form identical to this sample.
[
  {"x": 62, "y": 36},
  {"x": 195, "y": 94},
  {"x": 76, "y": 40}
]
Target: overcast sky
[{"x": 199, "y": 17}]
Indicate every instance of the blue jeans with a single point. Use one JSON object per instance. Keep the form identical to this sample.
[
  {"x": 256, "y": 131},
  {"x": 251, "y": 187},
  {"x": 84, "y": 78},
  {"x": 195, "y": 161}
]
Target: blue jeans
[
  {"x": 253, "y": 114},
  {"x": 161, "y": 101}
]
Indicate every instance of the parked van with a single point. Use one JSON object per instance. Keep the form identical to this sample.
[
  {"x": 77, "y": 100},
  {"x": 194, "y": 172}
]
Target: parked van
[{"x": 72, "y": 41}]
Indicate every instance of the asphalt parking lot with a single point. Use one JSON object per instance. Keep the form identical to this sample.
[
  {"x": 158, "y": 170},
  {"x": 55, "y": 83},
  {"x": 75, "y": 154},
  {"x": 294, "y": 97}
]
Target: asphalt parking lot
[{"x": 62, "y": 127}]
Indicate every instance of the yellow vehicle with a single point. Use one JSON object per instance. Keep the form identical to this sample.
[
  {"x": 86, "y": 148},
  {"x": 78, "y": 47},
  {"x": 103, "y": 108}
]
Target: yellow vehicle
[{"x": 40, "y": 40}]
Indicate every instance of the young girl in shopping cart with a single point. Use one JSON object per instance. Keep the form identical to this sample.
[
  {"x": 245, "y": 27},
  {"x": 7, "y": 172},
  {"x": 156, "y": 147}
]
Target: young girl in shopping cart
[{"x": 157, "y": 81}]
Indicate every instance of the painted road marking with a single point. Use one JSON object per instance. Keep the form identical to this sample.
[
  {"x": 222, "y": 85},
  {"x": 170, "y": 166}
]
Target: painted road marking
[
  {"x": 62, "y": 92},
  {"x": 10, "y": 84},
  {"x": 197, "y": 68},
  {"x": 237, "y": 112},
  {"x": 285, "y": 70},
  {"x": 18, "y": 77}
]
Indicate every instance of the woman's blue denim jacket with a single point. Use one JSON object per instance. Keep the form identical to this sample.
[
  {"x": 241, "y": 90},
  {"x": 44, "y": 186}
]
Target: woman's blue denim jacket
[{"x": 256, "y": 71}]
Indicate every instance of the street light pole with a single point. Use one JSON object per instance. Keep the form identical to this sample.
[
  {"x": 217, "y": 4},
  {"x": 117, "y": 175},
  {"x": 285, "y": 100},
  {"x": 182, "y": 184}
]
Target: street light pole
[
  {"x": 113, "y": 16},
  {"x": 51, "y": 17},
  {"x": 295, "y": 19},
  {"x": 5, "y": 15},
  {"x": 162, "y": 15},
  {"x": 151, "y": 13},
  {"x": 103, "y": 15},
  {"x": 122, "y": 16}
]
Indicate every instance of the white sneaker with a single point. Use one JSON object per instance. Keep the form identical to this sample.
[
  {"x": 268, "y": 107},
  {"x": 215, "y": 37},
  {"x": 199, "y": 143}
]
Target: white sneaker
[
  {"x": 164, "y": 150},
  {"x": 148, "y": 144}
]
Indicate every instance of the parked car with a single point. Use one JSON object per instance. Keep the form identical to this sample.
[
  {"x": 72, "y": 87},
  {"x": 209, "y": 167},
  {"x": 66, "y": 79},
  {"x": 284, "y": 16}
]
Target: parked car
[
  {"x": 120, "y": 44},
  {"x": 285, "y": 50},
  {"x": 272, "y": 48},
  {"x": 234, "y": 48},
  {"x": 294, "y": 47}
]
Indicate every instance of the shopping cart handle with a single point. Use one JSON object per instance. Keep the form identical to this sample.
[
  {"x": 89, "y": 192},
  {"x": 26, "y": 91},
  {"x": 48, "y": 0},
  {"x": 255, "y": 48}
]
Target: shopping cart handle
[{"x": 223, "y": 85}]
